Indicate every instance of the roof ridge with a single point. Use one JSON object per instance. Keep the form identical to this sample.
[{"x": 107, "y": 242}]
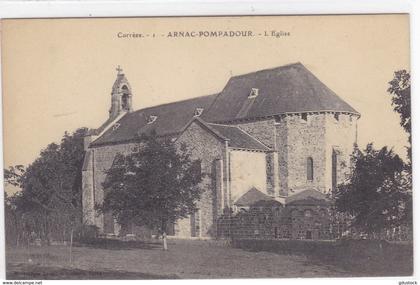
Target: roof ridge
[
  {"x": 223, "y": 125},
  {"x": 298, "y": 63},
  {"x": 174, "y": 102}
]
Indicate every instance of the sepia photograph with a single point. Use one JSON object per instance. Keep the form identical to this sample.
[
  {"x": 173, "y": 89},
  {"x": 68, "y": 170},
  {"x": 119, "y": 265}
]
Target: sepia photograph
[{"x": 207, "y": 147}]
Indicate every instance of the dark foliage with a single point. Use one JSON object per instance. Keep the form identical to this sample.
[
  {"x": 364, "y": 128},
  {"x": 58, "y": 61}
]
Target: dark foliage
[
  {"x": 154, "y": 187},
  {"x": 400, "y": 90},
  {"x": 49, "y": 203},
  {"x": 378, "y": 194}
]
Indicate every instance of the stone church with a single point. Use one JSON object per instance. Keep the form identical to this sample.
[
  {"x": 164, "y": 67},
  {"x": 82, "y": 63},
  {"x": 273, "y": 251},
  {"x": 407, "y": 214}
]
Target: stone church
[{"x": 276, "y": 137}]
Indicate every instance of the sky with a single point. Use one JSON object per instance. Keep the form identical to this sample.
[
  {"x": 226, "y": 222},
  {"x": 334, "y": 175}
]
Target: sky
[{"x": 58, "y": 73}]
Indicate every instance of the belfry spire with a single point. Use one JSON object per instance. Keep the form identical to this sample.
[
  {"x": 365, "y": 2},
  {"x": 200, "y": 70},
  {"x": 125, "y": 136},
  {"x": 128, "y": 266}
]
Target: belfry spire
[{"x": 121, "y": 96}]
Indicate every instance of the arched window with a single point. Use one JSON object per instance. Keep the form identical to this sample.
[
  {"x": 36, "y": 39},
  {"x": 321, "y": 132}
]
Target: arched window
[
  {"x": 310, "y": 169},
  {"x": 125, "y": 98},
  {"x": 124, "y": 102}
]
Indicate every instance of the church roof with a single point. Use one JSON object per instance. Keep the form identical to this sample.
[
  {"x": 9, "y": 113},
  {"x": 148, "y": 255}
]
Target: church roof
[
  {"x": 252, "y": 197},
  {"x": 237, "y": 138},
  {"x": 171, "y": 119},
  {"x": 286, "y": 89},
  {"x": 308, "y": 197}
]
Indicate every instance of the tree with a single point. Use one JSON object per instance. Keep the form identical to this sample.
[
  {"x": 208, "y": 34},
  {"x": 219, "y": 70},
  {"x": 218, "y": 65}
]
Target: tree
[
  {"x": 400, "y": 90},
  {"x": 376, "y": 195},
  {"x": 50, "y": 196},
  {"x": 13, "y": 175},
  {"x": 153, "y": 187}
]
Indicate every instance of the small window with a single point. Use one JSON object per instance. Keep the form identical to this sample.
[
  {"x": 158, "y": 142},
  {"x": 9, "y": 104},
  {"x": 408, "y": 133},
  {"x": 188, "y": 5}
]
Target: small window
[
  {"x": 198, "y": 112},
  {"x": 116, "y": 126},
  {"x": 304, "y": 116},
  {"x": 253, "y": 93},
  {"x": 310, "y": 169},
  {"x": 308, "y": 213},
  {"x": 151, "y": 119},
  {"x": 277, "y": 119},
  {"x": 337, "y": 116}
]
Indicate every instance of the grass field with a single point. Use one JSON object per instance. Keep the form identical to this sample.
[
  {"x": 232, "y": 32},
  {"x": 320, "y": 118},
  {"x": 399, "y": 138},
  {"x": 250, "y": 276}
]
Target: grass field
[{"x": 185, "y": 259}]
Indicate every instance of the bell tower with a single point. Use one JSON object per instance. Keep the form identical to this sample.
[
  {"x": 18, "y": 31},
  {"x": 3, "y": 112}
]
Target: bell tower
[{"x": 121, "y": 96}]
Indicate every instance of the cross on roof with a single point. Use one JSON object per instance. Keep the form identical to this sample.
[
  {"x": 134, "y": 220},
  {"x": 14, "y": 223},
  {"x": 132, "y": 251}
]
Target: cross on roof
[{"x": 118, "y": 69}]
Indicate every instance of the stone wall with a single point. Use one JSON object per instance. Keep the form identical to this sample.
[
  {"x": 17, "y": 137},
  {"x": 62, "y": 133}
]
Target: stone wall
[
  {"x": 305, "y": 138},
  {"x": 282, "y": 147},
  {"x": 295, "y": 138},
  {"x": 101, "y": 159},
  {"x": 341, "y": 135},
  {"x": 309, "y": 222},
  {"x": 279, "y": 222},
  {"x": 271, "y": 173},
  {"x": 205, "y": 146},
  {"x": 87, "y": 191}
]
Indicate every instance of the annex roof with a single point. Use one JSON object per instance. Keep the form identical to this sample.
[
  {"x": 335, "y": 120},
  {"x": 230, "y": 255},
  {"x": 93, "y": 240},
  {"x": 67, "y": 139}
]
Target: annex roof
[
  {"x": 308, "y": 197},
  {"x": 235, "y": 137},
  {"x": 252, "y": 197}
]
